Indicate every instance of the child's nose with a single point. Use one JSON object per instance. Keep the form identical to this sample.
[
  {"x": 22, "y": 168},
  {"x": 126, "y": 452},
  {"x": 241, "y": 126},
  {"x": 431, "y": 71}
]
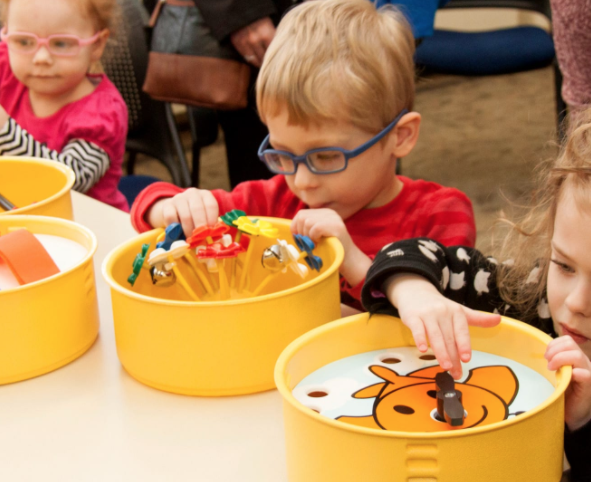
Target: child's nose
[
  {"x": 42, "y": 55},
  {"x": 578, "y": 300},
  {"x": 303, "y": 178}
]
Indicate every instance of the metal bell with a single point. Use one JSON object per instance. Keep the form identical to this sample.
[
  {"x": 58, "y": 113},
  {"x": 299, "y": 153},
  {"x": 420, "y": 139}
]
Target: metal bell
[
  {"x": 162, "y": 277},
  {"x": 272, "y": 259}
]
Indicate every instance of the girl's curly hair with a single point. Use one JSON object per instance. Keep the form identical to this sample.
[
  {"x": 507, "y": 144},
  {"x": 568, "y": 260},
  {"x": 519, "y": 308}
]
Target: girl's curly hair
[{"x": 528, "y": 242}]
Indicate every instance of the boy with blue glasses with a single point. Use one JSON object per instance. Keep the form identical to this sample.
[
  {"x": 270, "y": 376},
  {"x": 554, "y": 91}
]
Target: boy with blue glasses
[{"x": 336, "y": 91}]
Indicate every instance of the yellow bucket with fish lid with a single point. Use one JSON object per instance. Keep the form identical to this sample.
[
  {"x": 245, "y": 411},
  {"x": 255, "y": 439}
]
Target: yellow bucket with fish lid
[
  {"x": 216, "y": 348},
  {"x": 525, "y": 448},
  {"x": 36, "y": 186},
  {"x": 51, "y": 322}
]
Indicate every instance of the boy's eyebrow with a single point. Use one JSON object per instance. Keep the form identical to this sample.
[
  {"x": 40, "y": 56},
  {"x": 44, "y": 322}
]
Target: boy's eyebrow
[{"x": 276, "y": 145}]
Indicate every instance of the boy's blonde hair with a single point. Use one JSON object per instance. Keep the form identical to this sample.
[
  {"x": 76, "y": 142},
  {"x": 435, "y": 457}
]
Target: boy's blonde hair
[
  {"x": 528, "y": 242},
  {"x": 339, "y": 59}
]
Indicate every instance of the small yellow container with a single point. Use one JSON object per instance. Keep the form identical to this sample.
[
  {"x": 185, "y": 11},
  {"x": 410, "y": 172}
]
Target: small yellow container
[
  {"x": 37, "y": 186},
  {"x": 215, "y": 348},
  {"x": 525, "y": 448},
  {"x": 47, "y": 324}
]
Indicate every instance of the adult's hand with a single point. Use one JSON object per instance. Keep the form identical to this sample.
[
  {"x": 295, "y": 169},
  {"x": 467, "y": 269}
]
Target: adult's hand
[{"x": 252, "y": 41}]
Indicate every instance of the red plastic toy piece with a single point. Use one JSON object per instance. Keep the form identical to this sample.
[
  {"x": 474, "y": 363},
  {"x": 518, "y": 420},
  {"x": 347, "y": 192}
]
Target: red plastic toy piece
[
  {"x": 219, "y": 251},
  {"x": 201, "y": 233}
]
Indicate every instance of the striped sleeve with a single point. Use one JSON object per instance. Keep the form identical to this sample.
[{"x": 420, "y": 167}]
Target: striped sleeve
[{"x": 88, "y": 161}]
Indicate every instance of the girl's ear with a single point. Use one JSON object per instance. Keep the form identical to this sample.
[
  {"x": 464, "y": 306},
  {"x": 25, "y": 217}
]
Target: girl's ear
[
  {"x": 407, "y": 134},
  {"x": 99, "y": 46}
]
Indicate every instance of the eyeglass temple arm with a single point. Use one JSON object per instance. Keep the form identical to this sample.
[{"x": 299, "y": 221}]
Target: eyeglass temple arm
[{"x": 377, "y": 138}]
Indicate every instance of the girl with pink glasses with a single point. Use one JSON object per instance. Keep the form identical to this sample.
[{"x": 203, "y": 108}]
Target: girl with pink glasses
[{"x": 51, "y": 105}]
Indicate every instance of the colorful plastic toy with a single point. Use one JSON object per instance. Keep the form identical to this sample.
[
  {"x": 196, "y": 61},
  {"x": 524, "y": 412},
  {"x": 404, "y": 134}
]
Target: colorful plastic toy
[
  {"x": 280, "y": 257},
  {"x": 205, "y": 253},
  {"x": 360, "y": 403},
  {"x": 6, "y": 204},
  {"x": 306, "y": 246},
  {"x": 172, "y": 233},
  {"x": 232, "y": 216},
  {"x": 49, "y": 321},
  {"x": 254, "y": 228},
  {"x": 26, "y": 257},
  {"x": 449, "y": 400},
  {"x": 217, "y": 347},
  {"x": 137, "y": 264}
]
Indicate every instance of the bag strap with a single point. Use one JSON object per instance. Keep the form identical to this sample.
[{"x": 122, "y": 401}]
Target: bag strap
[{"x": 174, "y": 3}]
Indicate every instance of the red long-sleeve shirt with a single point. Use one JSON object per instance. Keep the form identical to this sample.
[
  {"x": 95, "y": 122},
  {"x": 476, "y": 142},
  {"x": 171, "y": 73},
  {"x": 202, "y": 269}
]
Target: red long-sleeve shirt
[{"x": 421, "y": 208}]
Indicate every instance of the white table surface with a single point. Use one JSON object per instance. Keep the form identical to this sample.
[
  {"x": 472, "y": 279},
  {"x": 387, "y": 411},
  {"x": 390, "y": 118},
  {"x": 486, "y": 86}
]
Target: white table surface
[{"x": 91, "y": 421}]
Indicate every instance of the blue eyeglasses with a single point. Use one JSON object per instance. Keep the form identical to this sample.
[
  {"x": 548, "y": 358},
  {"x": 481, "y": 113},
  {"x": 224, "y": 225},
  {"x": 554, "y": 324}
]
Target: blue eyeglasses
[{"x": 325, "y": 160}]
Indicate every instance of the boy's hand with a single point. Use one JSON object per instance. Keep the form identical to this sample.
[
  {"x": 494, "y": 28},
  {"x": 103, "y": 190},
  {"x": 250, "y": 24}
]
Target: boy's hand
[
  {"x": 433, "y": 319},
  {"x": 320, "y": 223},
  {"x": 193, "y": 207},
  {"x": 564, "y": 351}
]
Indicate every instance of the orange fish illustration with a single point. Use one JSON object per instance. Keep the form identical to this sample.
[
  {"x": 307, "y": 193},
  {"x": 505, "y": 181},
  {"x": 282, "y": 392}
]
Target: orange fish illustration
[{"x": 408, "y": 403}]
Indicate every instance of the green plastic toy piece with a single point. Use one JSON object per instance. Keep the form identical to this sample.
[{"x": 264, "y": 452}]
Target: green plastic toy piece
[
  {"x": 232, "y": 216},
  {"x": 137, "y": 264}
]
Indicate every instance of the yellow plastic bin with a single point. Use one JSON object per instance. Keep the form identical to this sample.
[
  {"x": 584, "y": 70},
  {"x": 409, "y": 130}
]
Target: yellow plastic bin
[
  {"x": 215, "y": 348},
  {"x": 528, "y": 447},
  {"x": 49, "y": 323},
  {"x": 37, "y": 186}
]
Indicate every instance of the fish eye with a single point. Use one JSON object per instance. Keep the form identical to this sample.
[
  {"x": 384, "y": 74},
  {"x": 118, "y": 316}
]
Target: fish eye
[{"x": 404, "y": 409}]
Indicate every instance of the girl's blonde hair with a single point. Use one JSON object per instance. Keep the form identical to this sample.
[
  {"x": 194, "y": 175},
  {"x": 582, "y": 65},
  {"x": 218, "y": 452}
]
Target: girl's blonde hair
[
  {"x": 339, "y": 59},
  {"x": 104, "y": 13},
  {"x": 528, "y": 241}
]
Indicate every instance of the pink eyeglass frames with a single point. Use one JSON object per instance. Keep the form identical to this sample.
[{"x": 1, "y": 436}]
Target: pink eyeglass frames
[{"x": 59, "y": 45}]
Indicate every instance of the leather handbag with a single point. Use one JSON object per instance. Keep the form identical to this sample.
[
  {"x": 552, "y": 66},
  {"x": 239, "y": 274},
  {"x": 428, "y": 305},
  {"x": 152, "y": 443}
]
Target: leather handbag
[{"x": 187, "y": 65}]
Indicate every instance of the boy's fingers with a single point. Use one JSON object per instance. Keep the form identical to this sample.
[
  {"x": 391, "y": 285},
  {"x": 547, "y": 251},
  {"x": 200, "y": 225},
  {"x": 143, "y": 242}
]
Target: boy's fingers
[
  {"x": 210, "y": 208},
  {"x": 169, "y": 214},
  {"x": 295, "y": 224},
  {"x": 480, "y": 318},
  {"x": 185, "y": 216},
  {"x": 462, "y": 336}
]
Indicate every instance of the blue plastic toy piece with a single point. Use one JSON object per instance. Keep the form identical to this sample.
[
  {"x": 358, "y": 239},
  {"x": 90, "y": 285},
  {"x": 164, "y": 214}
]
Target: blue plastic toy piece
[
  {"x": 173, "y": 232},
  {"x": 306, "y": 245}
]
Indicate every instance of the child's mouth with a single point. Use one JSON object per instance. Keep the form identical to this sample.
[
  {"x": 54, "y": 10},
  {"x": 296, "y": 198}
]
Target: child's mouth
[{"x": 579, "y": 339}]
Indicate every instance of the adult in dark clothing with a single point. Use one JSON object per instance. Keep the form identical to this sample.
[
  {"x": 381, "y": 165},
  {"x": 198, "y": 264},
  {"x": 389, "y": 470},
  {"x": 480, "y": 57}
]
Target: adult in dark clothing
[{"x": 249, "y": 25}]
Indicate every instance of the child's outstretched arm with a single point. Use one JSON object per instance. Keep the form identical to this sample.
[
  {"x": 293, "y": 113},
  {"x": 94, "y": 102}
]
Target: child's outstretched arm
[
  {"x": 320, "y": 223},
  {"x": 88, "y": 161},
  {"x": 435, "y": 291},
  {"x": 435, "y": 320},
  {"x": 191, "y": 208}
]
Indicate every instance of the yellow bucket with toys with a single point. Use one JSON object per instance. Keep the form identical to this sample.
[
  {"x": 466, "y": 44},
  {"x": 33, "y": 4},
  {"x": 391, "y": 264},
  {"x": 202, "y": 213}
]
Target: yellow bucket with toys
[
  {"x": 362, "y": 403},
  {"x": 47, "y": 294},
  {"x": 217, "y": 332},
  {"x": 35, "y": 186}
]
